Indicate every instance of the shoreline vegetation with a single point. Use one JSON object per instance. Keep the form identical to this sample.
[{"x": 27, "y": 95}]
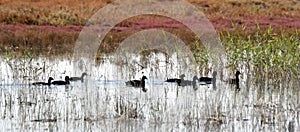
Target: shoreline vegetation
[
  {"x": 44, "y": 27},
  {"x": 48, "y": 40},
  {"x": 263, "y": 34},
  {"x": 261, "y": 39}
]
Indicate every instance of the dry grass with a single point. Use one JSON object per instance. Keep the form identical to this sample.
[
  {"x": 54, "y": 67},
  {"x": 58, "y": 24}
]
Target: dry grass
[
  {"x": 37, "y": 42},
  {"x": 66, "y": 12},
  {"x": 51, "y": 22},
  {"x": 57, "y": 12}
]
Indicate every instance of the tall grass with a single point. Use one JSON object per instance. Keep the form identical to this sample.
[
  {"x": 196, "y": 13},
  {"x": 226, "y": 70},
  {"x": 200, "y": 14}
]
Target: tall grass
[
  {"x": 270, "y": 56},
  {"x": 268, "y": 59},
  {"x": 267, "y": 54},
  {"x": 38, "y": 41}
]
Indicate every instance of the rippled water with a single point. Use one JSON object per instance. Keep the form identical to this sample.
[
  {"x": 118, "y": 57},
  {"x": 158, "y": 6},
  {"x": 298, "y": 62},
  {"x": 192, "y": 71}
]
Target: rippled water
[{"x": 103, "y": 102}]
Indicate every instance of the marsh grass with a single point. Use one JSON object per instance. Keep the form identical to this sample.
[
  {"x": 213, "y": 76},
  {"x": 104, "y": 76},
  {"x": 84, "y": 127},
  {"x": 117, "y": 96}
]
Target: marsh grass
[
  {"x": 268, "y": 56},
  {"x": 112, "y": 106},
  {"x": 268, "y": 100},
  {"x": 272, "y": 53},
  {"x": 37, "y": 42}
]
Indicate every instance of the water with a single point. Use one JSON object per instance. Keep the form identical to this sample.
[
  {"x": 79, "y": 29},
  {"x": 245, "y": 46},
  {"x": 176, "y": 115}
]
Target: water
[{"x": 104, "y": 103}]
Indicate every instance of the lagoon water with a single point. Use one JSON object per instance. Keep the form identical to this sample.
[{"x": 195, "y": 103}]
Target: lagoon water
[{"x": 103, "y": 102}]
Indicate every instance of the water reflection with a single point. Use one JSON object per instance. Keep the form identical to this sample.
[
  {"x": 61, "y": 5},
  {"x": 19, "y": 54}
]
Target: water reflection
[{"x": 104, "y": 102}]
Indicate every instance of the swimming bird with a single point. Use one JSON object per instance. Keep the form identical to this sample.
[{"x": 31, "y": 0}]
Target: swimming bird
[
  {"x": 177, "y": 80},
  {"x": 138, "y": 83},
  {"x": 66, "y": 82},
  {"x": 182, "y": 82},
  {"x": 208, "y": 80},
  {"x": 44, "y": 83},
  {"x": 78, "y": 78},
  {"x": 236, "y": 80},
  {"x": 188, "y": 82},
  {"x": 173, "y": 80}
]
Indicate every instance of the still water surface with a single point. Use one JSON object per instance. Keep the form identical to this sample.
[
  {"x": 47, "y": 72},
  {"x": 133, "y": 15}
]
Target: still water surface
[{"x": 103, "y": 103}]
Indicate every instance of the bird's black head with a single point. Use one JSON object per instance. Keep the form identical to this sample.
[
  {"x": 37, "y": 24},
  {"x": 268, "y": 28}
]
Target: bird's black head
[
  {"x": 84, "y": 74},
  {"x": 182, "y": 76},
  {"x": 214, "y": 73},
  {"x": 237, "y": 73},
  {"x": 144, "y": 77},
  {"x": 144, "y": 89},
  {"x": 195, "y": 78},
  {"x": 67, "y": 78}
]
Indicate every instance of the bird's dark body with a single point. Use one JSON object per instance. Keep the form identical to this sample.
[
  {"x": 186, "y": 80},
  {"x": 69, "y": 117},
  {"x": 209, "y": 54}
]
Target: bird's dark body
[
  {"x": 66, "y": 82},
  {"x": 173, "y": 80},
  {"x": 78, "y": 78},
  {"x": 137, "y": 83},
  {"x": 206, "y": 80},
  {"x": 44, "y": 83},
  {"x": 236, "y": 80}
]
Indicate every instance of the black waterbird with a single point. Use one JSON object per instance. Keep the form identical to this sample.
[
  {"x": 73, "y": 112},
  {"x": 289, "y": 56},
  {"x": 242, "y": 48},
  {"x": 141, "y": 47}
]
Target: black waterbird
[
  {"x": 208, "y": 80},
  {"x": 182, "y": 82},
  {"x": 66, "y": 82},
  {"x": 177, "y": 80},
  {"x": 236, "y": 80},
  {"x": 78, "y": 78},
  {"x": 188, "y": 82},
  {"x": 44, "y": 83},
  {"x": 138, "y": 83}
]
